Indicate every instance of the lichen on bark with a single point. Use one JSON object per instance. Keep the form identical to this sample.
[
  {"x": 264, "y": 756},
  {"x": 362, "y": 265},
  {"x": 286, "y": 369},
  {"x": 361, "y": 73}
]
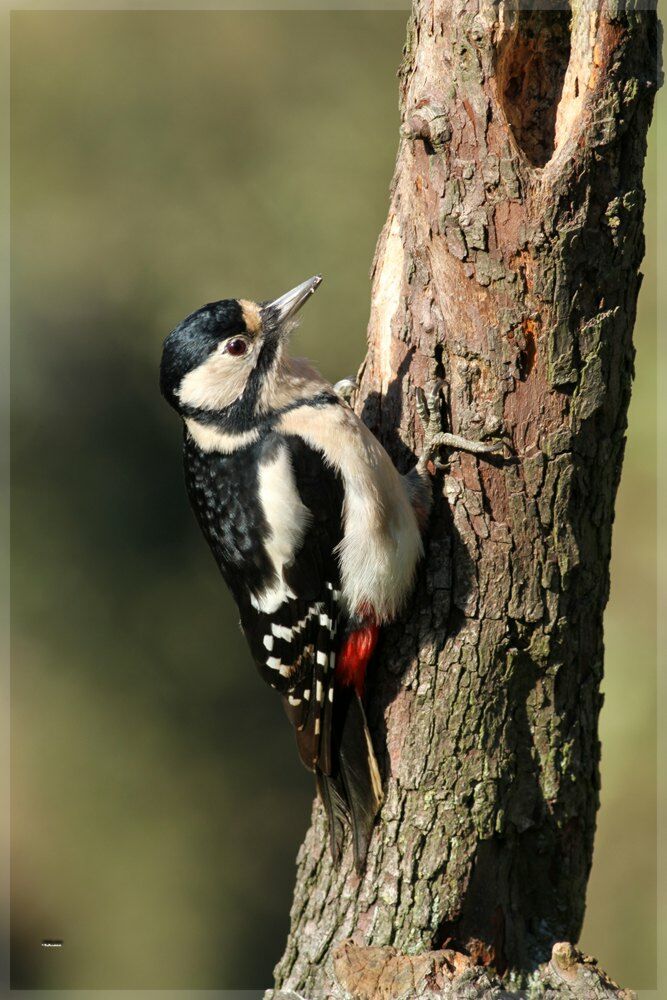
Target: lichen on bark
[{"x": 508, "y": 267}]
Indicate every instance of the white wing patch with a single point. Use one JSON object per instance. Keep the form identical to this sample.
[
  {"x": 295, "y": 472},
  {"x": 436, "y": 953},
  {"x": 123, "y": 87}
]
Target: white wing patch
[
  {"x": 287, "y": 518},
  {"x": 275, "y": 663}
]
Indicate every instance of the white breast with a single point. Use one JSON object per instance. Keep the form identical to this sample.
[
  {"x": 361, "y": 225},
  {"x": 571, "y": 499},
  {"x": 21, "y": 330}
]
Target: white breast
[{"x": 381, "y": 543}]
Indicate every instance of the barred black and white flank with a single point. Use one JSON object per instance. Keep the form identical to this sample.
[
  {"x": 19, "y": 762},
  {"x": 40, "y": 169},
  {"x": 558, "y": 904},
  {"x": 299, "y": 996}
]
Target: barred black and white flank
[{"x": 315, "y": 532}]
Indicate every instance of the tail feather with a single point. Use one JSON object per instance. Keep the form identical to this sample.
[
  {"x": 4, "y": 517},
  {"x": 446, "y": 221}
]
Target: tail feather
[
  {"x": 327, "y": 751},
  {"x": 314, "y": 726},
  {"x": 352, "y": 793},
  {"x": 335, "y": 805}
]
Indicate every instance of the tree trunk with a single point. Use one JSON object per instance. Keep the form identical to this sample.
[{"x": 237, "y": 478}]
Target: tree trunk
[{"x": 508, "y": 267}]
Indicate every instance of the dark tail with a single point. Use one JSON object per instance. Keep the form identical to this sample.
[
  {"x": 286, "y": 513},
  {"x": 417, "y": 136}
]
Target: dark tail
[{"x": 352, "y": 790}]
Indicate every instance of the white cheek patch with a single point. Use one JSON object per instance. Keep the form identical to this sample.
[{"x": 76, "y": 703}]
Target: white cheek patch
[
  {"x": 287, "y": 518},
  {"x": 217, "y": 382}
]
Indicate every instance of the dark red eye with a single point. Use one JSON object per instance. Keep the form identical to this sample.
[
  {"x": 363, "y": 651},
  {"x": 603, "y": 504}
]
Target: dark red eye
[{"x": 237, "y": 347}]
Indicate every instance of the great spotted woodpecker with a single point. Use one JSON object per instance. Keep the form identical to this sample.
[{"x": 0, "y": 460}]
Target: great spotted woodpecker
[{"x": 315, "y": 532}]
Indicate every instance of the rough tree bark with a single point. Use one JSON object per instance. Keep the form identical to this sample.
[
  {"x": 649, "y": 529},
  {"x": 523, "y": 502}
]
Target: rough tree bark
[{"x": 508, "y": 267}]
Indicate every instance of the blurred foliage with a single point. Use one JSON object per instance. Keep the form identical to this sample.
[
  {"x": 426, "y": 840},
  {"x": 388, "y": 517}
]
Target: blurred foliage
[{"x": 160, "y": 161}]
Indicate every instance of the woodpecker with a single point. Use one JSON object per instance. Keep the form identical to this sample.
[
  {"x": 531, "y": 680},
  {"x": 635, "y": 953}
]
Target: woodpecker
[{"x": 315, "y": 532}]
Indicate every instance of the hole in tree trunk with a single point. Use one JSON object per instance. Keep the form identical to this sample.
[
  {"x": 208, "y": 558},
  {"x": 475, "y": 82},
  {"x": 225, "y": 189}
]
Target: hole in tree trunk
[{"x": 531, "y": 66}]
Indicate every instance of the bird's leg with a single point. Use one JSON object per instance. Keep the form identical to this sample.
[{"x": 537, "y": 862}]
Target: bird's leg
[
  {"x": 346, "y": 389},
  {"x": 428, "y": 408}
]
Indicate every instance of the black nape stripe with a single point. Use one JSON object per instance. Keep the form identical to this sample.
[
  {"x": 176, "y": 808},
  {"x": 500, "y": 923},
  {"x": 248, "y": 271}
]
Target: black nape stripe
[{"x": 240, "y": 416}]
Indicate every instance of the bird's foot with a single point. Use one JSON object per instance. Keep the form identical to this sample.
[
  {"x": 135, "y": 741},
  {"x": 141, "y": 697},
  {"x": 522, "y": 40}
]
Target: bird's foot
[
  {"x": 346, "y": 389},
  {"x": 429, "y": 410}
]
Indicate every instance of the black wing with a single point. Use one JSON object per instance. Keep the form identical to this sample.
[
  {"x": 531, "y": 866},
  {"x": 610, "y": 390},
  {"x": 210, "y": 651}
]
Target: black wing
[{"x": 294, "y": 646}]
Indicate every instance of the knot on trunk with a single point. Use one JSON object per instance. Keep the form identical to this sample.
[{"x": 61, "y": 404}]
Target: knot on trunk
[
  {"x": 429, "y": 122},
  {"x": 571, "y": 969}
]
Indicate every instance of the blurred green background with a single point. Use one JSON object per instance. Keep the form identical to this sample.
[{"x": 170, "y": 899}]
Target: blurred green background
[{"x": 160, "y": 161}]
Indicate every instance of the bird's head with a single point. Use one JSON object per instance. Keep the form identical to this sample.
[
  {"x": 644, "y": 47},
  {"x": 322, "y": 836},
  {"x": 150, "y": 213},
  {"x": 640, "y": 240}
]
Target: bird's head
[{"x": 222, "y": 355}]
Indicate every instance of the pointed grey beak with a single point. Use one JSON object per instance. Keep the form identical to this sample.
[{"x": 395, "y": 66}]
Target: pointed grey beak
[{"x": 288, "y": 305}]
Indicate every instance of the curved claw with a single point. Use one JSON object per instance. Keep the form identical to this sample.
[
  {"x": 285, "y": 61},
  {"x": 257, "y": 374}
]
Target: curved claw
[
  {"x": 346, "y": 389},
  {"x": 434, "y": 398},
  {"x": 422, "y": 405},
  {"x": 428, "y": 403}
]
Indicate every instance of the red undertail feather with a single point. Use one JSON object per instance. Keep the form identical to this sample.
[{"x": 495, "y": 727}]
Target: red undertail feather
[{"x": 353, "y": 656}]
